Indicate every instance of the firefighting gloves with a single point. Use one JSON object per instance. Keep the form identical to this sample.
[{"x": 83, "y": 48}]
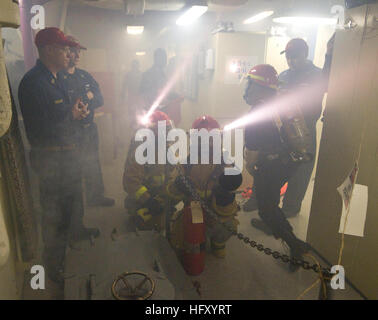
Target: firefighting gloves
[
  {"x": 142, "y": 216},
  {"x": 152, "y": 207}
]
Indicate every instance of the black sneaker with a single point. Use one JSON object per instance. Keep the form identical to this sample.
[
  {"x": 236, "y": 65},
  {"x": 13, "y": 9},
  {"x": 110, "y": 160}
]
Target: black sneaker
[
  {"x": 101, "y": 202},
  {"x": 251, "y": 204},
  {"x": 259, "y": 224}
]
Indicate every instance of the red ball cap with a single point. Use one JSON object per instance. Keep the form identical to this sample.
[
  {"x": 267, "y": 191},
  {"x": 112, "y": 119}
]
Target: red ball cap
[
  {"x": 265, "y": 75},
  {"x": 295, "y": 46},
  {"x": 78, "y": 45},
  {"x": 205, "y": 122},
  {"x": 50, "y": 36}
]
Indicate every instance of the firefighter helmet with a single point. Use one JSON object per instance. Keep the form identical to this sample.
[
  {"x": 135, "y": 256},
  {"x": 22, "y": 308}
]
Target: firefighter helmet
[
  {"x": 152, "y": 120},
  {"x": 205, "y": 122},
  {"x": 157, "y": 116},
  {"x": 265, "y": 75}
]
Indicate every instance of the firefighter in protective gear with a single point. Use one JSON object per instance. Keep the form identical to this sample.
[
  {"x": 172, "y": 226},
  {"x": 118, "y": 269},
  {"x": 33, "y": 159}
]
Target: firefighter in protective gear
[
  {"x": 214, "y": 187},
  {"x": 268, "y": 157},
  {"x": 145, "y": 184}
]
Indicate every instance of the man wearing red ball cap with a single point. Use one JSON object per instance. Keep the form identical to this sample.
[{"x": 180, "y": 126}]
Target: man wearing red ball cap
[
  {"x": 80, "y": 84},
  {"x": 51, "y": 124},
  {"x": 302, "y": 76}
]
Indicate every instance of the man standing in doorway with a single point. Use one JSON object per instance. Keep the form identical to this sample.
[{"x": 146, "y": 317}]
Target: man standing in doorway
[
  {"x": 305, "y": 79},
  {"x": 80, "y": 84},
  {"x": 154, "y": 79}
]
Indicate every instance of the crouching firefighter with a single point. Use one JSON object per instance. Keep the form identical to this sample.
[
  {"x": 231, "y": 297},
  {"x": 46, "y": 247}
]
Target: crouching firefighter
[
  {"x": 145, "y": 184},
  {"x": 273, "y": 153},
  {"x": 216, "y": 191}
]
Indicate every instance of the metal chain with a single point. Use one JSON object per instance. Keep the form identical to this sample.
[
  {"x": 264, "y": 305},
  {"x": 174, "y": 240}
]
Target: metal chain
[{"x": 260, "y": 247}]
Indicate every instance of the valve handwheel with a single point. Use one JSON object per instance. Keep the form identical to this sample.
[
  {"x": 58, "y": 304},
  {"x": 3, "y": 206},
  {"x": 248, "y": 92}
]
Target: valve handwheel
[{"x": 133, "y": 286}]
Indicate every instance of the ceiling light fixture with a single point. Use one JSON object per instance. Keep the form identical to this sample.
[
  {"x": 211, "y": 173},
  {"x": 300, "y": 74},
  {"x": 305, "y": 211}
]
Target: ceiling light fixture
[
  {"x": 140, "y": 53},
  {"x": 306, "y": 20},
  {"x": 258, "y": 17},
  {"x": 135, "y": 30},
  {"x": 191, "y": 15}
]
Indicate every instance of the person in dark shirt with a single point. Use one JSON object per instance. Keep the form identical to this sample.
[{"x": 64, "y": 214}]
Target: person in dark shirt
[
  {"x": 267, "y": 156},
  {"x": 80, "y": 84},
  {"x": 302, "y": 75},
  {"x": 154, "y": 79},
  {"x": 51, "y": 125}
]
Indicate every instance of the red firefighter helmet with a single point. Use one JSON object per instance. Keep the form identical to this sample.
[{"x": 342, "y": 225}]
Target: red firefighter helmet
[
  {"x": 157, "y": 116},
  {"x": 205, "y": 122},
  {"x": 153, "y": 120},
  {"x": 265, "y": 75}
]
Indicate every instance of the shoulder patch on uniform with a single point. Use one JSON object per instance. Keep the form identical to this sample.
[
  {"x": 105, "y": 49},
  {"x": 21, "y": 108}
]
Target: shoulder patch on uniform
[{"x": 58, "y": 101}]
